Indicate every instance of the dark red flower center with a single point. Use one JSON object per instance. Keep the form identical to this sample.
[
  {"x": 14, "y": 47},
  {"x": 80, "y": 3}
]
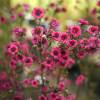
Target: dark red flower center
[
  {"x": 38, "y": 12},
  {"x": 55, "y": 52}
]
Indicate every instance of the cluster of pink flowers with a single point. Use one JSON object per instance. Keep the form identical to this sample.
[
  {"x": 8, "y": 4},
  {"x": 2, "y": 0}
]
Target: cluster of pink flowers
[{"x": 40, "y": 64}]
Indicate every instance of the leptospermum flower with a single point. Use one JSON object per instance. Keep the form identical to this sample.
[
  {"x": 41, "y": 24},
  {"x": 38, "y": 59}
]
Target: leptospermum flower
[
  {"x": 98, "y": 3},
  {"x": 64, "y": 37},
  {"x": 93, "y": 30},
  {"x": 43, "y": 97},
  {"x": 52, "y": 96},
  {"x": 83, "y": 22},
  {"x": 81, "y": 54},
  {"x": 13, "y": 17},
  {"x": 55, "y": 52},
  {"x": 12, "y": 49},
  {"x": 26, "y": 82},
  {"x": 35, "y": 83},
  {"x": 28, "y": 61},
  {"x": 75, "y": 31},
  {"x": 13, "y": 64},
  {"x": 2, "y": 20},
  {"x": 50, "y": 61},
  {"x": 54, "y": 24},
  {"x": 55, "y": 36},
  {"x": 18, "y": 96},
  {"x": 61, "y": 85},
  {"x": 80, "y": 80},
  {"x": 72, "y": 43},
  {"x": 37, "y": 30},
  {"x": 37, "y": 13}
]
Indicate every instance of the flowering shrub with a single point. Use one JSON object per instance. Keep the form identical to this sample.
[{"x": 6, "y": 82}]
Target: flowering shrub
[{"x": 37, "y": 68}]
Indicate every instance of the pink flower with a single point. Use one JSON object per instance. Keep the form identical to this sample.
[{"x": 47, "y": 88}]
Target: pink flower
[
  {"x": 98, "y": 3},
  {"x": 26, "y": 82},
  {"x": 19, "y": 58},
  {"x": 83, "y": 22},
  {"x": 70, "y": 62},
  {"x": 55, "y": 52},
  {"x": 35, "y": 83},
  {"x": 20, "y": 14},
  {"x": 13, "y": 64},
  {"x": 81, "y": 54},
  {"x": 61, "y": 85},
  {"x": 79, "y": 80},
  {"x": 93, "y": 12},
  {"x": 72, "y": 43},
  {"x": 55, "y": 35},
  {"x": 44, "y": 89},
  {"x": 13, "y": 17},
  {"x": 83, "y": 42},
  {"x": 52, "y": 96},
  {"x": 64, "y": 37},
  {"x": 12, "y": 49},
  {"x": 26, "y": 6},
  {"x": 28, "y": 61},
  {"x": 93, "y": 30},
  {"x": 48, "y": 63},
  {"x": 24, "y": 47},
  {"x": 75, "y": 31},
  {"x": 37, "y": 30},
  {"x": 42, "y": 97},
  {"x": 54, "y": 23},
  {"x": 18, "y": 96},
  {"x": 2, "y": 20},
  {"x": 70, "y": 97},
  {"x": 37, "y": 13}
]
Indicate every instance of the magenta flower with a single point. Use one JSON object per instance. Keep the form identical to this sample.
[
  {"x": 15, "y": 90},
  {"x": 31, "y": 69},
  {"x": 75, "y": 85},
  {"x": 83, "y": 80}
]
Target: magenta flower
[
  {"x": 54, "y": 24},
  {"x": 81, "y": 54},
  {"x": 37, "y": 13},
  {"x": 98, "y": 3},
  {"x": 37, "y": 30},
  {"x": 52, "y": 96},
  {"x": 12, "y": 49},
  {"x": 2, "y": 20},
  {"x": 26, "y": 82},
  {"x": 26, "y": 6},
  {"x": 72, "y": 43},
  {"x": 13, "y": 64},
  {"x": 42, "y": 97},
  {"x": 28, "y": 61},
  {"x": 35, "y": 83},
  {"x": 13, "y": 17},
  {"x": 44, "y": 89},
  {"x": 80, "y": 80},
  {"x": 61, "y": 85},
  {"x": 64, "y": 37},
  {"x": 93, "y": 30},
  {"x": 18, "y": 96},
  {"x": 55, "y": 36},
  {"x": 48, "y": 63},
  {"x": 55, "y": 52},
  {"x": 75, "y": 31},
  {"x": 83, "y": 22}
]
